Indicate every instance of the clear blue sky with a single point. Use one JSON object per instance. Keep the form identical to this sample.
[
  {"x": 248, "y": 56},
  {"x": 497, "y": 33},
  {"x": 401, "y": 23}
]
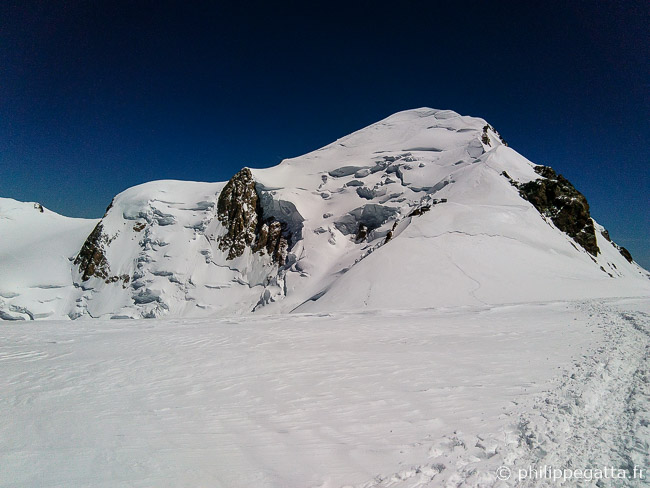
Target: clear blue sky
[{"x": 96, "y": 97}]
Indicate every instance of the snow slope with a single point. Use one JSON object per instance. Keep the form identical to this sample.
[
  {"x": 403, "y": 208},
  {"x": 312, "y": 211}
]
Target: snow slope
[
  {"x": 392, "y": 398},
  {"x": 484, "y": 245},
  {"x": 36, "y": 246},
  {"x": 418, "y": 210}
]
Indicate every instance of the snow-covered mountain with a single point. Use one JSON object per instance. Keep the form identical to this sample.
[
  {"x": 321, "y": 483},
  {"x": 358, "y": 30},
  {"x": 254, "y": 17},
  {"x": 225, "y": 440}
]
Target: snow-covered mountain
[{"x": 426, "y": 208}]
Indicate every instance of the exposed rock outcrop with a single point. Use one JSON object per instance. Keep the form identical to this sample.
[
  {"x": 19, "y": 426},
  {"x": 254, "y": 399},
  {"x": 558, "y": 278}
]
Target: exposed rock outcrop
[
  {"x": 272, "y": 237},
  {"x": 362, "y": 233},
  {"x": 625, "y": 253},
  {"x": 237, "y": 211},
  {"x": 92, "y": 258},
  {"x": 556, "y": 198},
  {"x": 251, "y": 220},
  {"x": 485, "y": 139}
]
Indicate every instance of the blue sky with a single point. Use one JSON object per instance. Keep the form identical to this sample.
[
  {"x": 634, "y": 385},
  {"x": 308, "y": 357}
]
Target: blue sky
[{"x": 96, "y": 97}]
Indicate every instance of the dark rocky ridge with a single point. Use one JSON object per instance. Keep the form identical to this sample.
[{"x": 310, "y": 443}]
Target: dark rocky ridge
[
  {"x": 485, "y": 138},
  {"x": 625, "y": 253},
  {"x": 556, "y": 198},
  {"x": 237, "y": 211},
  {"x": 92, "y": 260},
  {"x": 92, "y": 257},
  {"x": 240, "y": 211},
  {"x": 272, "y": 236}
]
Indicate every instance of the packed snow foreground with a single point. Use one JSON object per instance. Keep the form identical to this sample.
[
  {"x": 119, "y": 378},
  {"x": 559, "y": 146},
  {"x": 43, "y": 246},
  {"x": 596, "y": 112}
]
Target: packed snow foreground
[
  {"x": 384, "y": 398},
  {"x": 415, "y": 304}
]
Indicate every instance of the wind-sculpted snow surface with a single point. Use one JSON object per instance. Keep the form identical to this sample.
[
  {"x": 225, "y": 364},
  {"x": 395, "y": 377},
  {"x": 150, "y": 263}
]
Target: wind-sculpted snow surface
[
  {"x": 37, "y": 247},
  {"x": 426, "y": 208},
  {"x": 394, "y": 398}
]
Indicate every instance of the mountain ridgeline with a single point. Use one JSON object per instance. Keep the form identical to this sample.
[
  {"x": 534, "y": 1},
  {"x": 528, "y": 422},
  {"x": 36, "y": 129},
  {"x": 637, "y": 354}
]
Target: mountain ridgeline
[
  {"x": 556, "y": 198},
  {"x": 425, "y": 208}
]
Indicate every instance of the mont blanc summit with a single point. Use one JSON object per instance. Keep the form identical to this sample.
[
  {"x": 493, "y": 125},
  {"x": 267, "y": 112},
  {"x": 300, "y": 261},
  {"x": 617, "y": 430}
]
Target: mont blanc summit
[
  {"x": 426, "y": 208},
  {"x": 415, "y": 304}
]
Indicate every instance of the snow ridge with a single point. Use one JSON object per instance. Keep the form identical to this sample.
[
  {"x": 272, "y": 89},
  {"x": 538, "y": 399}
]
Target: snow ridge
[{"x": 424, "y": 208}]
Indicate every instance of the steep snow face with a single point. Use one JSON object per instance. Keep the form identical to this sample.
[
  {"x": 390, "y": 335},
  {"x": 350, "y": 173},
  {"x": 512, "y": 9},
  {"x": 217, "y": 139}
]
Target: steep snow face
[
  {"x": 160, "y": 241},
  {"x": 36, "y": 249},
  {"x": 183, "y": 249},
  {"x": 426, "y": 208}
]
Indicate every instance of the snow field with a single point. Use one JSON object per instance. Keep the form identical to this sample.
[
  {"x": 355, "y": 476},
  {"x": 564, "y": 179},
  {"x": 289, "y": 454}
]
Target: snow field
[{"x": 400, "y": 398}]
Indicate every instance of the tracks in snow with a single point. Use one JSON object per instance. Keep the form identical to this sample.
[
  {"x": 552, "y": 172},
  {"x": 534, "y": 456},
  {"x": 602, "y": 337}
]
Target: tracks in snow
[
  {"x": 409, "y": 398},
  {"x": 594, "y": 416},
  {"x": 597, "y": 416}
]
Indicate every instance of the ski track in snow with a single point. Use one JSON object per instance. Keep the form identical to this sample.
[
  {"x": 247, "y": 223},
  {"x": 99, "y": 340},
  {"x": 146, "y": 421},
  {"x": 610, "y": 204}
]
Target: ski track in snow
[
  {"x": 418, "y": 398},
  {"x": 594, "y": 415}
]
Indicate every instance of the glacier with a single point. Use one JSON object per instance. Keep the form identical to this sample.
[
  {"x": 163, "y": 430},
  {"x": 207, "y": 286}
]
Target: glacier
[
  {"x": 413, "y": 305},
  {"x": 423, "y": 209}
]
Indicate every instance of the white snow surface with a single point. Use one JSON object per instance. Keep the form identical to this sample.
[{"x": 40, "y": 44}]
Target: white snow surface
[
  {"x": 384, "y": 398},
  {"x": 478, "y": 336},
  {"x": 36, "y": 248},
  {"x": 484, "y": 245}
]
